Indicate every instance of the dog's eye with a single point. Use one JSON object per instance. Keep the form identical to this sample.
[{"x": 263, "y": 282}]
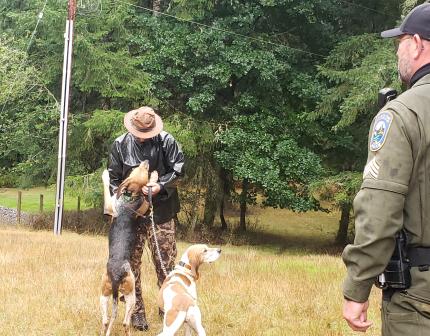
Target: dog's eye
[{"x": 205, "y": 250}]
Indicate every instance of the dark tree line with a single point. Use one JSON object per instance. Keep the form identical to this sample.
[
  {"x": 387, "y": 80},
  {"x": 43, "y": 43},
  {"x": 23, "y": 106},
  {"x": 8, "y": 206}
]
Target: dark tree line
[{"x": 272, "y": 101}]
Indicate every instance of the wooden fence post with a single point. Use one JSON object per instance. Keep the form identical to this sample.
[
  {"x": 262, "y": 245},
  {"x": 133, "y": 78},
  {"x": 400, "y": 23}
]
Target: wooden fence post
[
  {"x": 18, "y": 213},
  {"x": 79, "y": 210},
  {"x": 41, "y": 203}
]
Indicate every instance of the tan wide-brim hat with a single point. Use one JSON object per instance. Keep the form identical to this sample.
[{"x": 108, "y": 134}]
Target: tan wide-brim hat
[{"x": 143, "y": 122}]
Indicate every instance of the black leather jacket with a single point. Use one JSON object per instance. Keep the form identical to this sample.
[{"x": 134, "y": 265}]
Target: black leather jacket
[{"x": 164, "y": 156}]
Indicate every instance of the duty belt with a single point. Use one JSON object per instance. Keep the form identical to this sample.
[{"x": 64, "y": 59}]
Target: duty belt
[{"x": 419, "y": 257}]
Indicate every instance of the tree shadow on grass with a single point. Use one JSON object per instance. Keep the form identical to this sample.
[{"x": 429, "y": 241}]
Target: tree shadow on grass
[
  {"x": 277, "y": 243},
  {"x": 293, "y": 244}
]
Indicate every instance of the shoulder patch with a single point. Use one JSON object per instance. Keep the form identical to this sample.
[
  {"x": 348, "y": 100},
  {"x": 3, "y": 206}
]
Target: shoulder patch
[{"x": 380, "y": 130}]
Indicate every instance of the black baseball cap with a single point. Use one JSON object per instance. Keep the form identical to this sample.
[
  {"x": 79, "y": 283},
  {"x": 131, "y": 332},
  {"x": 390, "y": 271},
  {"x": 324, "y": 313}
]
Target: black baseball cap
[{"x": 416, "y": 22}]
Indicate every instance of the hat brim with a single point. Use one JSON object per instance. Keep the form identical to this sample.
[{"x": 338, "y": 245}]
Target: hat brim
[
  {"x": 392, "y": 33},
  {"x": 143, "y": 135}
]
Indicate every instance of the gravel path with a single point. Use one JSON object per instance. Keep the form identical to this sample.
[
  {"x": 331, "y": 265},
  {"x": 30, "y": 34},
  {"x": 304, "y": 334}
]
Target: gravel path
[{"x": 8, "y": 216}]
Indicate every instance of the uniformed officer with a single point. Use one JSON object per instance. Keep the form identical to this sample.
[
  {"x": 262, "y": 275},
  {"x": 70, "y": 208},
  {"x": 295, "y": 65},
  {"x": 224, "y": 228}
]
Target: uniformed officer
[
  {"x": 146, "y": 140},
  {"x": 395, "y": 193}
]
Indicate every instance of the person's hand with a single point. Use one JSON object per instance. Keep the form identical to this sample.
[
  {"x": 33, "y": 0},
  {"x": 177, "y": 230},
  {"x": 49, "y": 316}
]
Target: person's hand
[
  {"x": 355, "y": 313},
  {"x": 155, "y": 188}
]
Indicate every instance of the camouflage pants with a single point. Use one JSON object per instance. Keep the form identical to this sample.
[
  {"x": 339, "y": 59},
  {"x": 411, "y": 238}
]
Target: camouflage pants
[
  {"x": 165, "y": 233},
  {"x": 405, "y": 315}
]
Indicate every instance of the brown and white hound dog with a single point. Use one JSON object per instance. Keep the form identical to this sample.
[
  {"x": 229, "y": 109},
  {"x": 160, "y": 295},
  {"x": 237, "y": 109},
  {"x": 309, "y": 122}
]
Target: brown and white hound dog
[{"x": 178, "y": 294}]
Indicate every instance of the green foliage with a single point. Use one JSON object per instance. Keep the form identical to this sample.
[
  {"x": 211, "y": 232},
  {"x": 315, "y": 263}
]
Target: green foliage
[
  {"x": 255, "y": 98},
  {"x": 28, "y": 120},
  {"x": 91, "y": 140},
  {"x": 104, "y": 63},
  {"x": 357, "y": 68},
  {"x": 258, "y": 148},
  {"x": 338, "y": 190},
  {"x": 88, "y": 187},
  {"x": 196, "y": 137}
]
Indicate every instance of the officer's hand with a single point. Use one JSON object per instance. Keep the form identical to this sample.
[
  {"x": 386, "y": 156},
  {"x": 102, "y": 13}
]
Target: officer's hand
[
  {"x": 355, "y": 314},
  {"x": 155, "y": 188}
]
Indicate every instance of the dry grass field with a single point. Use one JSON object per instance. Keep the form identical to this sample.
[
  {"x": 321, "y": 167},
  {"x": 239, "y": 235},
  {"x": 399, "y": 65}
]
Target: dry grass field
[{"x": 50, "y": 285}]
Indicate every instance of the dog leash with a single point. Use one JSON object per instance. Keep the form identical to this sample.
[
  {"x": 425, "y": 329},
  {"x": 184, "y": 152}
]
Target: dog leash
[{"x": 151, "y": 216}]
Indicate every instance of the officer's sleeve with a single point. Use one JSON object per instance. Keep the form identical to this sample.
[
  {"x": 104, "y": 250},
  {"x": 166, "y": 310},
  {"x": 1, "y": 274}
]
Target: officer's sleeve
[
  {"x": 115, "y": 168},
  {"x": 378, "y": 206}
]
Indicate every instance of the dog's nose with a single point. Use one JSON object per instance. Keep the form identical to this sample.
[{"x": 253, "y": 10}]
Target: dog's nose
[{"x": 219, "y": 250}]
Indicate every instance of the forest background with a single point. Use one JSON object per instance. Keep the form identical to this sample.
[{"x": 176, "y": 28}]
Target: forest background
[{"x": 271, "y": 100}]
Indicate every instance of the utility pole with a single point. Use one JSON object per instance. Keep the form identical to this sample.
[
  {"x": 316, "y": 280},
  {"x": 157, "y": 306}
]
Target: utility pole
[{"x": 65, "y": 95}]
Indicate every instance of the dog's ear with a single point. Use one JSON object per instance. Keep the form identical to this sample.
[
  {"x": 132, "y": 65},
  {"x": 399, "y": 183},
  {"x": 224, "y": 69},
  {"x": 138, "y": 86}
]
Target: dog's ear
[
  {"x": 195, "y": 272},
  {"x": 195, "y": 257},
  {"x": 122, "y": 187}
]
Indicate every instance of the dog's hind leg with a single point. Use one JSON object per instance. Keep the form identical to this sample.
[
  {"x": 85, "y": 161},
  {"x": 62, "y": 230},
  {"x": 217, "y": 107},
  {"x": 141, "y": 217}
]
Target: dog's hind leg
[
  {"x": 173, "y": 320},
  {"x": 104, "y": 302},
  {"x": 194, "y": 319},
  {"x": 130, "y": 303},
  {"x": 129, "y": 290},
  {"x": 112, "y": 319},
  {"x": 187, "y": 329}
]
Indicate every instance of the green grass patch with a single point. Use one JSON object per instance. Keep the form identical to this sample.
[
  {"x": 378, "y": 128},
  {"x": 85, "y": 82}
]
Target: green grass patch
[{"x": 30, "y": 199}]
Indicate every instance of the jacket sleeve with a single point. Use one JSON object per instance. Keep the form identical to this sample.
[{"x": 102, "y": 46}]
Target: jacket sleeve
[
  {"x": 115, "y": 168},
  {"x": 378, "y": 206},
  {"x": 174, "y": 162}
]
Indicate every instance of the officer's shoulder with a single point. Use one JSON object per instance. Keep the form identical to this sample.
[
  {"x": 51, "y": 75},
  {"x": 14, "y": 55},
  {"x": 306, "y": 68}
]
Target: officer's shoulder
[
  {"x": 414, "y": 98},
  {"x": 401, "y": 106}
]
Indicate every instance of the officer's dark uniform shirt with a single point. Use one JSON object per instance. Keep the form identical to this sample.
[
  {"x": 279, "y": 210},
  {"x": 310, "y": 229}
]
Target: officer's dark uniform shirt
[
  {"x": 395, "y": 192},
  {"x": 164, "y": 155}
]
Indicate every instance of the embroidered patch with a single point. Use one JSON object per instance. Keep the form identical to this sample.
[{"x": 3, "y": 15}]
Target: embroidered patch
[
  {"x": 372, "y": 169},
  {"x": 380, "y": 130}
]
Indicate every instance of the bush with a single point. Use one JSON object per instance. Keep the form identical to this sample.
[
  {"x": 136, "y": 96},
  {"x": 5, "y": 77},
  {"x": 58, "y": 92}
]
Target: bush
[{"x": 90, "y": 221}]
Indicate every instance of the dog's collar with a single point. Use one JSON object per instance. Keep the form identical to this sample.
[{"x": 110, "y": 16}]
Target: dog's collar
[
  {"x": 185, "y": 269},
  {"x": 185, "y": 265},
  {"x": 128, "y": 196}
]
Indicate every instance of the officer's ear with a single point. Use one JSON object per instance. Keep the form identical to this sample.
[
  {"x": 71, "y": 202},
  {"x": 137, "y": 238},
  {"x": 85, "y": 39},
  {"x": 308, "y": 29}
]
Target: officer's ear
[{"x": 419, "y": 46}]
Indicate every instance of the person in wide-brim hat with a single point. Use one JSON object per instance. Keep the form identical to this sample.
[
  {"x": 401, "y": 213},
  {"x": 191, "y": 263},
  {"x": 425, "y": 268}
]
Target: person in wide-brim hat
[
  {"x": 143, "y": 123},
  {"x": 145, "y": 140}
]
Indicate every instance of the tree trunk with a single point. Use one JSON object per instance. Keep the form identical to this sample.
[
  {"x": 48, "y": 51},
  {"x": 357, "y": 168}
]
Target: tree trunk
[
  {"x": 211, "y": 205},
  {"x": 212, "y": 195},
  {"x": 224, "y": 195},
  {"x": 224, "y": 226},
  {"x": 342, "y": 233},
  {"x": 195, "y": 217},
  {"x": 242, "y": 223},
  {"x": 156, "y": 6}
]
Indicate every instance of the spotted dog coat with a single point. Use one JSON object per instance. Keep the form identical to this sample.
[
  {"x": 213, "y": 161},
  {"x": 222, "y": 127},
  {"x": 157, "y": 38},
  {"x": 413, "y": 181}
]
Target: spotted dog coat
[
  {"x": 178, "y": 295},
  {"x": 122, "y": 235}
]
